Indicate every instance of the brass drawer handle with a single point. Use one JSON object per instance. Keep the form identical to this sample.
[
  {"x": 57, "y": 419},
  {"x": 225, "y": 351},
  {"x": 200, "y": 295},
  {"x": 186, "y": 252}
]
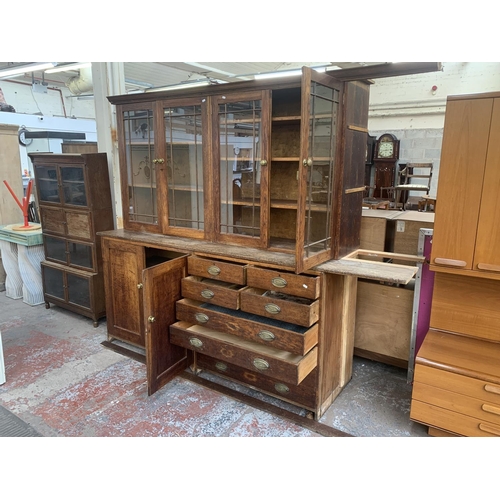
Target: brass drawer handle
[
  {"x": 489, "y": 429},
  {"x": 282, "y": 388},
  {"x": 260, "y": 364},
  {"x": 272, "y": 308},
  {"x": 266, "y": 335},
  {"x": 492, "y": 388},
  {"x": 213, "y": 270},
  {"x": 450, "y": 262},
  {"x": 195, "y": 342},
  {"x": 201, "y": 318},
  {"x": 221, "y": 366},
  {"x": 207, "y": 294},
  {"x": 279, "y": 282},
  {"x": 491, "y": 409}
]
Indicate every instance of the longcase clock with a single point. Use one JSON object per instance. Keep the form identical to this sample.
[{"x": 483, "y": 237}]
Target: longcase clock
[{"x": 385, "y": 158}]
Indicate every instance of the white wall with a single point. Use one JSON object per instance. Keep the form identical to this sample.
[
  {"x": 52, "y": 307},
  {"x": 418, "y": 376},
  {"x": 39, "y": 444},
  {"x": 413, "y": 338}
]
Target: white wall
[{"x": 409, "y": 108}]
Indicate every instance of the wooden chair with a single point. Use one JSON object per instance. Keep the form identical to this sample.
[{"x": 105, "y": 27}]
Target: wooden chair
[{"x": 406, "y": 181}]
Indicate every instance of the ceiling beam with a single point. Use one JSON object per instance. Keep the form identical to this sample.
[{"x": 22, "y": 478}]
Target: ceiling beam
[{"x": 386, "y": 70}]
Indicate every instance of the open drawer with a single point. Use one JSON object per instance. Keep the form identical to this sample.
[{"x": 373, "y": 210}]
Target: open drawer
[
  {"x": 280, "y": 306},
  {"x": 281, "y": 365},
  {"x": 214, "y": 292},
  {"x": 278, "y": 334}
]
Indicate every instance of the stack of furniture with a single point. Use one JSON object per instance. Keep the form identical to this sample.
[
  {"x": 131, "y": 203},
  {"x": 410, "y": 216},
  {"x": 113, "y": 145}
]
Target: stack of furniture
[
  {"x": 232, "y": 196},
  {"x": 457, "y": 372},
  {"x": 74, "y": 198}
]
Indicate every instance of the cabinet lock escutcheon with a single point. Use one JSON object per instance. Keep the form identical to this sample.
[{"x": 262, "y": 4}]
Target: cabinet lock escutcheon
[
  {"x": 139, "y": 285},
  {"x": 307, "y": 162},
  {"x": 151, "y": 319}
]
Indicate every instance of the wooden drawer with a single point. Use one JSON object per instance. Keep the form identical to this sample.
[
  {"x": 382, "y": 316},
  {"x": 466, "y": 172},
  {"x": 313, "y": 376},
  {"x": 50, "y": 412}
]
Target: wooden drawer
[
  {"x": 442, "y": 418},
  {"x": 468, "y": 386},
  {"x": 212, "y": 291},
  {"x": 303, "y": 394},
  {"x": 278, "y": 334},
  {"x": 280, "y": 365},
  {"x": 453, "y": 401},
  {"x": 292, "y": 284},
  {"x": 279, "y": 306},
  {"x": 217, "y": 270}
]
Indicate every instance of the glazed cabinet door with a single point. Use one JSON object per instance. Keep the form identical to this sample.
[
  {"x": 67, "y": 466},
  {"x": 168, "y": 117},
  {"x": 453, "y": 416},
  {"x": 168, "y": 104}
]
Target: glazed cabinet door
[
  {"x": 319, "y": 167},
  {"x": 162, "y": 289},
  {"x": 241, "y": 124},
  {"x": 461, "y": 179},
  {"x": 487, "y": 252},
  {"x": 139, "y": 161},
  {"x": 185, "y": 132},
  {"x": 123, "y": 265}
]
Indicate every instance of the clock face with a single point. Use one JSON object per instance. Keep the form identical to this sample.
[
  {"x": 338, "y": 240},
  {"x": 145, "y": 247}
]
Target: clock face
[{"x": 386, "y": 149}]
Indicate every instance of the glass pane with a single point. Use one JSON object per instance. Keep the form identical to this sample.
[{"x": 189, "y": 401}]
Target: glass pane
[
  {"x": 53, "y": 282},
  {"x": 55, "y": 248},
  {"x": 240, "y": 170},
  {"x": 78, "y": 290},
  {"x": 321, "y": 167},
  {"x": 141, "y": 173},
  {"x": 184, "y": 166},
  {"x": 48, "y": 184},
  {"x": 73, "y": 184},
  {"x": 80, "y": 254}
]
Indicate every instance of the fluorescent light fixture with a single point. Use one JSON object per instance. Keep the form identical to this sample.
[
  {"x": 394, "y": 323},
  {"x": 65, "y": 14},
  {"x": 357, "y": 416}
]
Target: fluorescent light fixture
[
  {"x": 24, "y": 68},
  {"x": 294, "y": 72},
  {"x": 185, "y": 85},
  {"x": 69, "y": 67}
]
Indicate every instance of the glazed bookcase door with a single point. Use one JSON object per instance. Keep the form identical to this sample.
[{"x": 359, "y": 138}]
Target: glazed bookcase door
[
  {"x": 241, "y": 155},
  {"x": 47, "y": 179},
  {"x": 184, "y": 134},
  {"x": 136, "y": 129},
  {"x": 318, "y": 167}
]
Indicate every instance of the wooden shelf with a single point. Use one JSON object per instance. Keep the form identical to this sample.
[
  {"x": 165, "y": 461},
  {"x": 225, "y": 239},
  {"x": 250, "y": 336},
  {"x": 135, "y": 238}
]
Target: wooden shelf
[{"x": 286, "y": 118}]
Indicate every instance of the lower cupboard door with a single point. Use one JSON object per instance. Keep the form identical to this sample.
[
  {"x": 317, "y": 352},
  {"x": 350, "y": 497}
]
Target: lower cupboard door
[
  {"x": 280, "y": 365},
  {"x": 303, "y": 394}
]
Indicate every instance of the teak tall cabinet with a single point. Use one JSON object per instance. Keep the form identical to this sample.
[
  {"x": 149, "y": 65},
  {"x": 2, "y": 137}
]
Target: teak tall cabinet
[
  {"x": 457, "y": 372},
  {"x": 74, "y": 197},
  {"x": 231, "y": 196}
]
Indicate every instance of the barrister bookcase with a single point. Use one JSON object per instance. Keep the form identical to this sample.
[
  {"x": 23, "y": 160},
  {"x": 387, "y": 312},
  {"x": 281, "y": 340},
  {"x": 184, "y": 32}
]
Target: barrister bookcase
[
  {"x": 74, "y": 197},
  {"x": 232, "y": 195}
]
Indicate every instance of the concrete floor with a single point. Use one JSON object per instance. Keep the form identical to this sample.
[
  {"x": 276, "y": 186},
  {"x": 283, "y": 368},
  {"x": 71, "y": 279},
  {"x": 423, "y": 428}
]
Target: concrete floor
[{"x": 62, "y": 382}]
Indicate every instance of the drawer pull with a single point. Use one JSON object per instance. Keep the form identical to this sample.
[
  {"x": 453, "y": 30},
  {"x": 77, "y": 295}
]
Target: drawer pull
[
  {"x": 213, "y": 270},
  {"x": 221, "y": 366},
  {"x": 490, "y": 429},
  {"x": 492, "y": 388},
  {"x": 201, "y": 318},
  {"x": 450, "y": 262},
  {"x": 488, "y": 267},
  {"x": 260, "y": 364},
  {"x": 207, "y": 294},
  {"x": 266, "y": 335},
  {"x": 282, "y": 388},
  {"x": 195, "y": 342},
  {"x": 272, "y": 308},
  {"x": 491, "y": 409},
  {"x": 279, "y": 282}
]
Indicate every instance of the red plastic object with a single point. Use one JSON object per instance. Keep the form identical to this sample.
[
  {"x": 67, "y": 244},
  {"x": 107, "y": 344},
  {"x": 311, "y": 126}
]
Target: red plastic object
[{"x": 26, "y": 200}]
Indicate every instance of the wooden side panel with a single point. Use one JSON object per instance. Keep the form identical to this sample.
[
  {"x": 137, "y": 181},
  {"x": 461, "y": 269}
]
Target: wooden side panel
[
  {"x": 461, "y": 173},
  {"x": 383, "y": 319},
  {"x": 487, "y": 255},
  {"x": 123, "y": 265},
  {"x": 162, "y": 288},
  {"x": 470, "y": 306}
]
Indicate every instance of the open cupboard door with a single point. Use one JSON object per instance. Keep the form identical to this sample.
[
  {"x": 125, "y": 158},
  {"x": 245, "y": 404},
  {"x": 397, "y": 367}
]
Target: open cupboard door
[
  {"x": 319, "y": 168},
  {"x": 162, "y": 289}
]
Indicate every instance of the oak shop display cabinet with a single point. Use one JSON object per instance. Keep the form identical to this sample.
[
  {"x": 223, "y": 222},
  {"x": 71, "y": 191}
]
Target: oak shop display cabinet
[
  {"x": 232, "y": 195},
  {"x": 74, "y": 197}
]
